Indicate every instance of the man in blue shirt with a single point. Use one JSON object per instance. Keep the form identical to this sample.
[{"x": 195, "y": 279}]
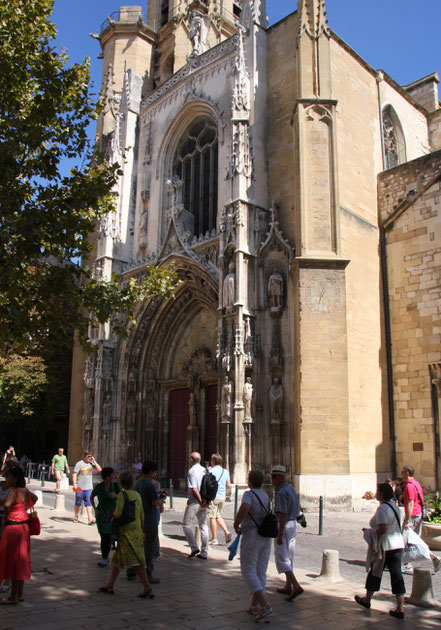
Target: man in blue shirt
[
  {"x": 287, "y": 511},
  {"x": 215, "y": 508},
  {"x": 151, "y": 504}
]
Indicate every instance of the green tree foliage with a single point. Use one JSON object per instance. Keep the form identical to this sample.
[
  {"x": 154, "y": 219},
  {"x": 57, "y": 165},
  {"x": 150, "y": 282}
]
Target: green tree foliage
[
  {"x": 46, "y": 217},
  {"x": 23, "y": 381}
]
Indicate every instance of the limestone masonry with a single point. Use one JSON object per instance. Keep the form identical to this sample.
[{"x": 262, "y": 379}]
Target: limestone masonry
[{"x": 296, "y": 192}]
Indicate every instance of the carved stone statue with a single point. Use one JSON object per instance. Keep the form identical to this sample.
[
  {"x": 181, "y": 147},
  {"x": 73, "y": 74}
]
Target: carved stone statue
[
  {"x": 131, "y": 412},
  {"x": 229, "y": 288},
  {"x": 143, "y": 229},
  {"x": 195, "y": 32},
  {"x": 227, "y": 400},
  {"x": 276, "y": 402},
  {"x": 275, "y": 291},
  {"x": 107, "y": 410},
  {"x": 247, "y": 399},
  {"x": 192, "y": 408}
]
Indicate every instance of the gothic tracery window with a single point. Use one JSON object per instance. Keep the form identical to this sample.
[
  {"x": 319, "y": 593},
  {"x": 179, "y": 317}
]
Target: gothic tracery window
[
  {"x": 196, "y": 164},
  {"x": 394, "y": 145}
]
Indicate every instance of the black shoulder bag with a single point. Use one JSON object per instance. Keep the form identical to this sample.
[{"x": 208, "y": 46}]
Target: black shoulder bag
[{"x": 269, "y": 528}]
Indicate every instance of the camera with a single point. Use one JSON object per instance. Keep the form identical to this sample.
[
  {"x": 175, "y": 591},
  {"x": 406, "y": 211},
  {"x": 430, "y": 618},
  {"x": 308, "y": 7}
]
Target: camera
[{"x": 302, "y": 520}]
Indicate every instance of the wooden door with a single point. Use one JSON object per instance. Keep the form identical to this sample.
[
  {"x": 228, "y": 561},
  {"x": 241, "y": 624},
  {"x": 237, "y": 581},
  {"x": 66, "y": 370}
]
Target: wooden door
[
  {"x": 210, "y": 445},
  {"x": 179, "y": 420}
]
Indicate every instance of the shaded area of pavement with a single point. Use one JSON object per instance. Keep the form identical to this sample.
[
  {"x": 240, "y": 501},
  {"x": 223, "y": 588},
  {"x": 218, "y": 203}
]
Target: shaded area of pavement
[{"x": 63, "y": 592}]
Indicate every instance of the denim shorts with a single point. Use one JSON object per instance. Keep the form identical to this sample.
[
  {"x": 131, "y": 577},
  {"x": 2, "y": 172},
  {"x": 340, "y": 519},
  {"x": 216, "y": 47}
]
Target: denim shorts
[{"x": 84, "y": 495}]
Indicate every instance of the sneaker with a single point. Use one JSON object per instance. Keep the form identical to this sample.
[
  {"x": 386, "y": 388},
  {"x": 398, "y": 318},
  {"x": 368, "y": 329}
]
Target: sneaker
[
  {"x": 407, "y": 569},
  {"x": 194, "y": 553},
  {"x": 103, "y": 562},
  {"x": 213, "y": 542},
  {"x": 228, "y": 538},
  {"x": 436, "y": 564},
  {"x": 202, "y": 557}
]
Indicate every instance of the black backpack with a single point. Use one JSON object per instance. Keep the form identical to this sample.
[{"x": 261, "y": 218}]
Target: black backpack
[
  {"x": 269, "y": 527},
  {"x": 209, "y": 486},
  {"x": 128, "y": 514}
]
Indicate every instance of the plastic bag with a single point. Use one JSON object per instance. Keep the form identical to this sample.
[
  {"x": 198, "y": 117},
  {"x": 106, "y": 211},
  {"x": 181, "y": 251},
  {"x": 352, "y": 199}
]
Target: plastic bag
[
  {"x": 415, "y": 549},
  {"x": 233, "y": 547}
]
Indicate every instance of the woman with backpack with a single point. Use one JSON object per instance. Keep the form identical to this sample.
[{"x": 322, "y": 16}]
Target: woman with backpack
[
  {"x": 255, "y": 549},
  {"x": 130, "y": 541}
]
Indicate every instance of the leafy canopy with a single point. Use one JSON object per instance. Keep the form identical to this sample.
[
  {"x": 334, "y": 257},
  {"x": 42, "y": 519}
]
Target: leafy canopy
[{"x": 47, "y": 217}]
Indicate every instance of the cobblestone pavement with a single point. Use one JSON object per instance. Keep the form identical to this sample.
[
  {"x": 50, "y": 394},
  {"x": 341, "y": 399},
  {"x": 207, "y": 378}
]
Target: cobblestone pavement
[{"x": 63, "y": 592}]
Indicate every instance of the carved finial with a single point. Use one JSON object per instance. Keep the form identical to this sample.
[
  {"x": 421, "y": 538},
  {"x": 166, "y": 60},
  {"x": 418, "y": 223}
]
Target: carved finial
[{"x": 312, "y": 18}]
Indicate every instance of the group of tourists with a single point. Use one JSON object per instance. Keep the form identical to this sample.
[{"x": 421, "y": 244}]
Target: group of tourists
[
  {"x": 127, "y": 515},
  {"x": 255, "y": 545}
]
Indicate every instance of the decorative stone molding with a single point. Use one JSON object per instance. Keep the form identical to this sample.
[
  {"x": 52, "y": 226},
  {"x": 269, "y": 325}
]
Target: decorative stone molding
[
  {"x": 312, "y": 18},
  {"x": 275, "y": 239}
]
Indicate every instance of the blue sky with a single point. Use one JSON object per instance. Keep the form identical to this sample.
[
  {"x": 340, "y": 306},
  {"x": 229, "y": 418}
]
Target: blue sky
[{"x": 401, "y": 37}]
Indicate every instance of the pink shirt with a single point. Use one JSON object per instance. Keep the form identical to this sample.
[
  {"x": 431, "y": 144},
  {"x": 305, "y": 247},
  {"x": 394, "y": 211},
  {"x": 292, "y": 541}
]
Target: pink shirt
[{"x": 411, "y": 494}]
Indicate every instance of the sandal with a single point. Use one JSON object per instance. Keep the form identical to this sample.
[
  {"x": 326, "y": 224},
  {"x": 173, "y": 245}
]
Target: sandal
[
  {"x": 253, "y": 610},
  {"x": 362, "y": 602},
  {"x": 147, "y": 595},
  {"x": 283, "y": 591},
  {"x": 106, "y": 589},
  {"x": 295, "y": 594},
  {"x": 395, "y": 613},
  {"x": 263, "y": 612}
]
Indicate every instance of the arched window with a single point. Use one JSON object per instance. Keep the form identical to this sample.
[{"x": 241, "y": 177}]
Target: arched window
[
  {"x": 394, "y": 145},
  {"x": 196, "y": 164}
]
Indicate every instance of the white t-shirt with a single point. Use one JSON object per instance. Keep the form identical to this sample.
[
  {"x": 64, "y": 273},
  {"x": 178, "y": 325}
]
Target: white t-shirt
[
  {"x": 385, "y": 514},
  {"x": 194, "y": 479},
  {"x": 258, "y": 512}
]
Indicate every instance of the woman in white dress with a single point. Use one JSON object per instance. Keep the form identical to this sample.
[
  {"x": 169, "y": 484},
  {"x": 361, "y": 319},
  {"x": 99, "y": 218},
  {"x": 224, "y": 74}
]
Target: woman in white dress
[
  {"x": 254, "y": 549},
  {"x": 385, "y": 550}
]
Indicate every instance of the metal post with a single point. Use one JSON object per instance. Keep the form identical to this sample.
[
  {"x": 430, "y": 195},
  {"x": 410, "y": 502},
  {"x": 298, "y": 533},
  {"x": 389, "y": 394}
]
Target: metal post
[
  {"x": 171, "y": 494},
  {"x": 321, "y": 517},
  {"x": 273, "y": 498},
  {"x": 236, "y": 499}
]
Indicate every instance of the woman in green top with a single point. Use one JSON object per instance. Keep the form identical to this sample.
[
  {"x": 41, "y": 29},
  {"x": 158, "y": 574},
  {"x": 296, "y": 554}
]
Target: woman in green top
[
  {"x": 130, "y": 548},
  {"x": 106, "y": 492}
]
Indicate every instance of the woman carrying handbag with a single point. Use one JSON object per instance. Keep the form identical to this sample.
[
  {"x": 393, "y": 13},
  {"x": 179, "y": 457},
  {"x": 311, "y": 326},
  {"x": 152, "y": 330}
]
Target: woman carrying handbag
[{"x": 15, "y": 546}]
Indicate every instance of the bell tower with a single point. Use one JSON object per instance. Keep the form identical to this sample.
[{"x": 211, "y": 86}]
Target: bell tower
[{"x": 186, "y": 29}]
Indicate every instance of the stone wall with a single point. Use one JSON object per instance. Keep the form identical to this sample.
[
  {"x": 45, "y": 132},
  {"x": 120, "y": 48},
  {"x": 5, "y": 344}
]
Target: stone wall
[{"x": 410, "y": 199}]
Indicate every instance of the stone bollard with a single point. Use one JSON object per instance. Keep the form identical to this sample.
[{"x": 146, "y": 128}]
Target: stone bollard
[
  {"x": 64, "y": 483},
  {"x": 422, "y": 592},
  {"x": 40, "y": 497},
  {"x": 330, "y": 566},
  {"x": 59, "y": 505}
]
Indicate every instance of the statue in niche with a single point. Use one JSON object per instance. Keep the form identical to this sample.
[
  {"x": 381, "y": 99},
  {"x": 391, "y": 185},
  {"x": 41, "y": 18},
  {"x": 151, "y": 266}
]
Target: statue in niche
[
  {"x": 227, "y": 400},
  {"x": 275, "y": 291},
  {"x": 229, "y": 288},
  {"x": 192, "y": 409},
  {"x": 247, "y": 399},
  {"x": 107, "y": 410},
  {"x": 131, "y": 412},
  {"x": 195, "y": 32},
  {"x": 276, "y": 401},
  {"x": 136, "y": 351},
  {"x": 132, "y": 380},
  {"x": 143, "y": 219}
]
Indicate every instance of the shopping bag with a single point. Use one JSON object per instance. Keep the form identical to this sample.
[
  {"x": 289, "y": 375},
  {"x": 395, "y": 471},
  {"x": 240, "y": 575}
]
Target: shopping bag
[
  {"x": 233, "y": 547},
  {"x": 415, "y": 549}
]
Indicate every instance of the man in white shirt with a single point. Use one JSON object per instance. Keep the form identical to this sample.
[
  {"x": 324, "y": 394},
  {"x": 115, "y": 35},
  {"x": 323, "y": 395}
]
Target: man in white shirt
[{"x": 196, "y": 508}]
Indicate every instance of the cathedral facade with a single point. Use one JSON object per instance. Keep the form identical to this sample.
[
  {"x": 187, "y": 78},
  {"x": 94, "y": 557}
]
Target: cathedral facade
[{"x": 250, "y": 166}]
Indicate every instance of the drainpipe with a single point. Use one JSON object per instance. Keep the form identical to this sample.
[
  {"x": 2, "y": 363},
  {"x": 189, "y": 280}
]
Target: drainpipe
[
  {"x": 385, "y": 283},
  {"x": 380, "y": 78}
]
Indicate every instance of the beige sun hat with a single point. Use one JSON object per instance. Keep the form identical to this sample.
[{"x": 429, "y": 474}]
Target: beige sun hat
[{"x": 278, "y": 470}]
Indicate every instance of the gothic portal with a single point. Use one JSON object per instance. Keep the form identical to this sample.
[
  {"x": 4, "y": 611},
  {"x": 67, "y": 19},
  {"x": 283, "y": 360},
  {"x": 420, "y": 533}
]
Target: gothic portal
[{"x": 250, "y": 165}]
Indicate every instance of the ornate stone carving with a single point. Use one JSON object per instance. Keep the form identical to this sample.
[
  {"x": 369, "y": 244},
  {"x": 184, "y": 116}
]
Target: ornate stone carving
[
  {"x": 227, "y": 400},
  {"x": 229, "y": 288},
  {"x": 198, "y": 31},
  {"x": 89, "y": 374},
  {"x": 276, "y": 347},
  {"x": 241, "y": 88},
  {"x": 275, "y": 241},
  {"x": 248, "y": 400},
  {"x": 200, "y": 363},
  {"x": 241, "y": 160},
  {"x": 275, "y": 293},
  {"x": 131, "y": 412},
  {"x": 312, "y": 18},
  {"x": 276, "y": 401},
  {"x": 107, "y": 411},
  {"x": 248, "y": 352}
]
